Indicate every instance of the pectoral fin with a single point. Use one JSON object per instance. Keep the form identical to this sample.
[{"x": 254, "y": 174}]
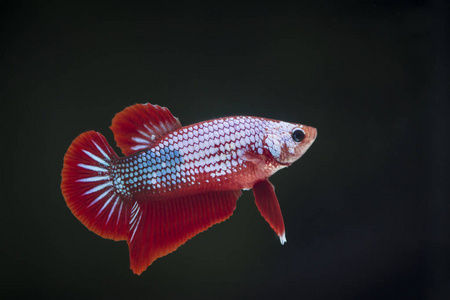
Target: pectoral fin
[{"x": 268, "y": 206}]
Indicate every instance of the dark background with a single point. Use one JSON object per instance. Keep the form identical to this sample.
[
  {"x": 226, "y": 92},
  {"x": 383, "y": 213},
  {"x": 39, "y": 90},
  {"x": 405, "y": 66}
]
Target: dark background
[{"x": 366, "y": 209}]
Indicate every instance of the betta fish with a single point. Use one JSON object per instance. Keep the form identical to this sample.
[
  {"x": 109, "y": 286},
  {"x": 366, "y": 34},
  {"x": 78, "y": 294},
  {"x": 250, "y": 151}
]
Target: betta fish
[{"x": 175, "y": 182}]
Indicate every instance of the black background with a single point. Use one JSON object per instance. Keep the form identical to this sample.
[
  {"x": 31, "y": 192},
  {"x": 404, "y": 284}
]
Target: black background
[{"x": 366, "y": 209}]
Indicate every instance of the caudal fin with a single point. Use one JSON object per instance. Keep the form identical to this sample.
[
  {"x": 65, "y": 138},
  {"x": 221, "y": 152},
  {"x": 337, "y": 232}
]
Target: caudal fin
[{"x": 87, "y": 186}]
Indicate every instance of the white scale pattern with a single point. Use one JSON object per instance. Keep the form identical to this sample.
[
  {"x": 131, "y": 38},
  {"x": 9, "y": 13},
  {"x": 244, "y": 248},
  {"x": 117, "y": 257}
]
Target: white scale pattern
[{"x": 213, "y": 149}]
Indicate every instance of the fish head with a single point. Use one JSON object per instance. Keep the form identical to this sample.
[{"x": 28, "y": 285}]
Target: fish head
[{"x": 287, "y": 142}]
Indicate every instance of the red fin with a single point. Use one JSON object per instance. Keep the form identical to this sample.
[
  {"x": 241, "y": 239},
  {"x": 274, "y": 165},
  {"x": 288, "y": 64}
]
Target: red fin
[
  {"x": 138, "y": 126},
  {"x": 88, "y": 188},
  {"x": 268, "y": 206},
  {"x": 159, "y": 227}
]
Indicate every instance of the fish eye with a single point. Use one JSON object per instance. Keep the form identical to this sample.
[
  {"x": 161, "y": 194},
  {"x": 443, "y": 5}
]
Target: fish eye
[{"x": 298, "y": 135}]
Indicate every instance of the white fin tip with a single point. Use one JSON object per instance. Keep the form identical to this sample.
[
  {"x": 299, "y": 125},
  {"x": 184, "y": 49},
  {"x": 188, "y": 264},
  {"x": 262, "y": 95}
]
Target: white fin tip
[{"x": 283, "y": 239}]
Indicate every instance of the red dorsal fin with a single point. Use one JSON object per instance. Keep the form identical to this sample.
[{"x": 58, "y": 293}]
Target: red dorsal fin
[
  {"x": 159, "y": 227},
  {"x": 137, "y": 127},
  {"x": 88, "y": 187},
  {"x": 268, "y": 206}
]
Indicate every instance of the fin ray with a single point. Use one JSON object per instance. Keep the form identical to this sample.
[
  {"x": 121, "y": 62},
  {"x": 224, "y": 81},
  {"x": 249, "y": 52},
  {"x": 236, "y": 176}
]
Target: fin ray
[
  {"x": 88, "y": 188},
  {"x": 139, "y": 126}
]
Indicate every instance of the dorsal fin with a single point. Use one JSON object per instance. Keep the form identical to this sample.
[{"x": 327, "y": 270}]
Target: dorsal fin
[{"x": 138, "y": 126}]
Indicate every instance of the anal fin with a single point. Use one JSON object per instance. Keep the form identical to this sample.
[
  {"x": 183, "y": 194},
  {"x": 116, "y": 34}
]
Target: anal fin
[
  {"x": 159, "y": 227},
  {"x": 268, "y": 206}
]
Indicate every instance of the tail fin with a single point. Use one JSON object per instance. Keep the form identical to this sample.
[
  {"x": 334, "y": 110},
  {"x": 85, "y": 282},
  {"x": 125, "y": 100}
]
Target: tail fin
[{"x": 87, "y": 186}]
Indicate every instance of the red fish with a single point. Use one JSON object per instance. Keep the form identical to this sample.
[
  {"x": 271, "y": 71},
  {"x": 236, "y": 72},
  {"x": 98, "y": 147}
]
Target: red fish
[{"x": 174, "y": 181}]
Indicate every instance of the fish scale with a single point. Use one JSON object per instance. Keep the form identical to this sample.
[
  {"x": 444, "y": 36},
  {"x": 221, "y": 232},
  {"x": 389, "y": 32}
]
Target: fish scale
[
  {"x": 175, "y": 182},
  {"x": 205, "y": 154}
]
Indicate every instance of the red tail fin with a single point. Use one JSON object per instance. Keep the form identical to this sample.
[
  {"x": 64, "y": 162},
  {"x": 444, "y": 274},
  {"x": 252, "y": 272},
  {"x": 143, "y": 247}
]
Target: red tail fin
[{"x": 88, "y": 187}]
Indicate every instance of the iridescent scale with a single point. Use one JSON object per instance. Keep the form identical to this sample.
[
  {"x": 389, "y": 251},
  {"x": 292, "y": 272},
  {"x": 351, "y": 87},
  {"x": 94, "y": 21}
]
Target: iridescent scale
[{"x": 203, "y": 154}]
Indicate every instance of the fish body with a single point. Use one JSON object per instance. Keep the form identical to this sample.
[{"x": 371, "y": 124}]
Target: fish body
[{"x": 174, "y": 181}]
